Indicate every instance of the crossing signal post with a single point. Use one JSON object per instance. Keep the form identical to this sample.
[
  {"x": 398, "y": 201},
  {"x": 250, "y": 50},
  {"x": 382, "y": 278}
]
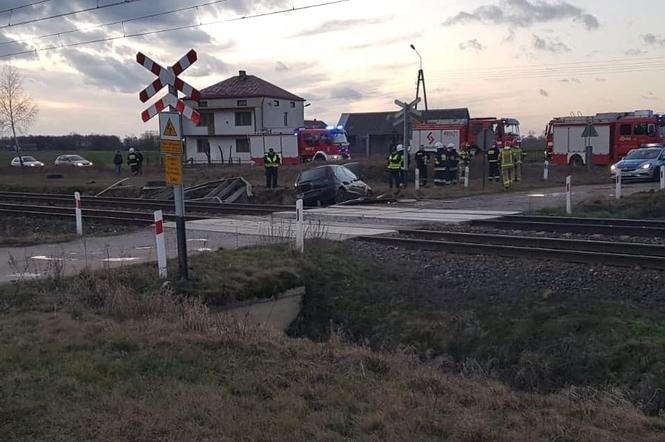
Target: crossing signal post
[
  {"x": 170, "y": 131},
  {"x": 404, "y": 117}
]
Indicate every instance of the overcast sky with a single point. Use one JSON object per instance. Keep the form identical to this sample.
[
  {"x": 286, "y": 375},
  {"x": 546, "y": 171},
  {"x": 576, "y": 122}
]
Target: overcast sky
[{"x": 527, "y": 59}]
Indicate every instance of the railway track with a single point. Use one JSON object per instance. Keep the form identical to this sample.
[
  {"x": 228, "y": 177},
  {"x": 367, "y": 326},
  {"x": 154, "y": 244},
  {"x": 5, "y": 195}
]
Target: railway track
[
  {"x": 592, "y": 252},
  {"x": 604, "y": 226},
  {"x": 45, "y": 199}
]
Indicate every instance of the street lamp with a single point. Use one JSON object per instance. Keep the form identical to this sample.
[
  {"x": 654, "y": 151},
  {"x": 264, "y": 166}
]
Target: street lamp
[{"x": 421, "y": 78}]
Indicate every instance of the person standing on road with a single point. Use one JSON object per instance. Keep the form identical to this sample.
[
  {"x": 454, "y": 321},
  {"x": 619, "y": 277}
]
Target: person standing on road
[
  {"x": 394, "y": 165},
  {"x": 453, "y": 159},
  {"x": 422, "y": 160},
  {"x": 440, "y": 165},
  {"x": 271, "y": 162},
  {"x": 493, "y": 156},
  {"x": 464, "y": 161},
  {"x": 507, "y": 166},
  {"x": 117, "y": 162},
  {"x": 517, "y": 158},
  {"x": 133, "y": 161},
  {"x": 139, "y": 158}
]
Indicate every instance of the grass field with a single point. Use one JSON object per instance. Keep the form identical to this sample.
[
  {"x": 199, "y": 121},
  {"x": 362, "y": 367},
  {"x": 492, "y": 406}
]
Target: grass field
[
  {"x": 647, "y": 205},
  {"x": 101, "y": 158},
  {"x": 116, "y": 358}
]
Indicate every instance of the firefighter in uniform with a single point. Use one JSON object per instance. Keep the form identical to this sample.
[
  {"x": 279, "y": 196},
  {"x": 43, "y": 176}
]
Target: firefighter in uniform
[
  {"x": 422, "y": 159},
  {"x": 464, "y": 161},
  {"x": 517, "y": 158},
  {"x": 453, "y": 159},
  {"x": 493, "y": 154},
  {"x": 271, "y": 161},
  {"x": 507, "y": 166},
  {"x": 133, "y": 161},
  {"x": 440, "y": 165},
  {"x": 394, "y": 164}
]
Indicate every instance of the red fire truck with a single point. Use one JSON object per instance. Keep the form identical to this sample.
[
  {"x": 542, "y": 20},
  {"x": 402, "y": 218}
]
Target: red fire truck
[
  {"x": 465, "y": 133},
  {"x": 618, "y": 133},
  {"x": 329, "y": 144}
]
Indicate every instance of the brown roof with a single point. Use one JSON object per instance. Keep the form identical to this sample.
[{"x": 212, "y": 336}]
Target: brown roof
[{"x": 246, "y": 86}]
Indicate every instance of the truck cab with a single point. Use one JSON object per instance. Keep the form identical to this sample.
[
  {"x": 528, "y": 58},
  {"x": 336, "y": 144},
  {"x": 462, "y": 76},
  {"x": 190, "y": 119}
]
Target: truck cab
[{"x": 329, "y": 144}]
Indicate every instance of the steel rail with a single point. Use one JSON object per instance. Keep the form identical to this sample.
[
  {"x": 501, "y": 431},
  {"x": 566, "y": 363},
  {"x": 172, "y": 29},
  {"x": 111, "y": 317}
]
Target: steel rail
[
  {"x": 642, "y": 230},
  {"x": 623, "y": 248},
  {"x": 578, "y": 256}
]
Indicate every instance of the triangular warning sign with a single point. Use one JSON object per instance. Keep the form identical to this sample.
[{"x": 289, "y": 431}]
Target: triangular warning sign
[
  {"x": 170, "y": 131},
  {"x": 590, "y": 132}
]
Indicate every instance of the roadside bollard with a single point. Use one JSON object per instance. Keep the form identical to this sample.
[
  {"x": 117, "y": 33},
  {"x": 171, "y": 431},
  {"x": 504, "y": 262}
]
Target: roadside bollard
[
  {"x": 161, "y": 244},
  {"x": 569, "y": 195},
  {"x": 546, "y": 171},
  {"x": 466, "y": 177},
  {"x": 617, "y": 192},
  {"x": 79, "y": 213},
  {"x": 300, "y": 226},
  {"x": 662, "y": 177},
  {"x": 417, "y": 179}
]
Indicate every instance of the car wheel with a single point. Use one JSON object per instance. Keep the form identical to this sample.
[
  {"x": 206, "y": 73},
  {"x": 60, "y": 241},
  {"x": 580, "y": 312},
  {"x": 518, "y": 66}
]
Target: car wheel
[
  {"x": 576, "y": 161},
  {"x": 320, "y": 158}
]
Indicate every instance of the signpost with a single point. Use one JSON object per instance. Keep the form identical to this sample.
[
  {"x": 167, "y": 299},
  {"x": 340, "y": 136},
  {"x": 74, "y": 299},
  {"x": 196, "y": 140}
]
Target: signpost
[
  {"x": 404, "y": 117},
  {"x": 589, "y": 132},
  {"x": 487, "y": 142},
  {"x": 170, "y": 131}
]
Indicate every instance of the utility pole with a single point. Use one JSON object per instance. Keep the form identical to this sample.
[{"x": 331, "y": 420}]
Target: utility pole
[{"x": 421, "y": 79}]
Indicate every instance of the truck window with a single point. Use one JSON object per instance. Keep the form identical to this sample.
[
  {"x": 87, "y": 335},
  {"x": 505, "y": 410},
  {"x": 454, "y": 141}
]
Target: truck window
[
  {"x": 311, "y": 140},
  {"x": 626, "y": 129},
  {"x": 640, "y": 129},
  {"x": 651, "y": 131},
  {"x": 476, "y": 128}
]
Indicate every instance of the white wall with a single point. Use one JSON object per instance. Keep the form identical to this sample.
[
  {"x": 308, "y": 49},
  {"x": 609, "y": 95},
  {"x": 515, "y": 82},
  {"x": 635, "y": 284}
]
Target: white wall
[{"x": 286, "y": 145}]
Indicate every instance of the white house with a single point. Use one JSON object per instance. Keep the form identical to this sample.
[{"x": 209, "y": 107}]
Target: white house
[{"x": 241, "y": 118}]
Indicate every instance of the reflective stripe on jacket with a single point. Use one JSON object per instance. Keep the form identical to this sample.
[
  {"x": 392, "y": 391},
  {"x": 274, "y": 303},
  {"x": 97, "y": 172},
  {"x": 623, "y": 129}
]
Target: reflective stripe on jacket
[
  {"x": 395, "y": 161},
  {"x": 271, "y": 160},
  {"x": 507, "y": 157},
  {"x": 493, "y": 155}
]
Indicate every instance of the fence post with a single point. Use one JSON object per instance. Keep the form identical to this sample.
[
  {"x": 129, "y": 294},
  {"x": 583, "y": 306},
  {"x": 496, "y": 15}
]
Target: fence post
[
  {"x": 79, "y": 213},
  {"x": 546, "y": 171},
  {"x": 300, "y": 227},
  {"x": 569, "y": 195},
  {"x": 466, "y": 177},
  {"x": 161, "y": 244},
  {"x": 617, "y": 191},
  {"x": 417, "y": 179},
  {"x": 662, "y": 177}
]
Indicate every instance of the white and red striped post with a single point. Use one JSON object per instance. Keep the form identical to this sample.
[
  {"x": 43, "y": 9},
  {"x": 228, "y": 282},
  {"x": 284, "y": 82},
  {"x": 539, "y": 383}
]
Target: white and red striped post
[
  {"x": 300, "y": 226},
  {"x": 161, "y": 244},
  {"x": 569, "y": 195},
  {"x": 79, "y": 213},
  {"x": 546, "y": 171},
  {"x": 466, "y": 177}
]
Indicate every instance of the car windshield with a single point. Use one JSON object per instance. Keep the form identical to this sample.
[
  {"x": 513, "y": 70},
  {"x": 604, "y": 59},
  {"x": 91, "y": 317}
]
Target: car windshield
[
  {"x": 512, "y": 129},
  {"x": 74, "y": 158},
  {"x": 29, "y": 159},
  {"x": 340, "y": 139},
  {"x": 644, "y": 154},
  {"x": 312, "y": 175}
]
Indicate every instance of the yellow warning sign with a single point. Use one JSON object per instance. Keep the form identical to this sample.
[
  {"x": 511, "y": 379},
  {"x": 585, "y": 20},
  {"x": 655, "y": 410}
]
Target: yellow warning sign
[
  {"x": 173, "y": 170},
  {"x": 170, "y": 147},
  {"x": 170, "y": 131}
]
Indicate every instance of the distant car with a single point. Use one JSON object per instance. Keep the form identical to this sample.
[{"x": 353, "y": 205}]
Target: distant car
[
  {"x": 27, "y": 162},
  {"x": 329, "y": 184},
  {"x": 72, "y": 160},
  {"x": 641, "y": 164}
]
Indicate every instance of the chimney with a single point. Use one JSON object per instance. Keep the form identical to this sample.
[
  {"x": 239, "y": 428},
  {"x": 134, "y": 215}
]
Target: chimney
[{"x": 243, "y": 75}]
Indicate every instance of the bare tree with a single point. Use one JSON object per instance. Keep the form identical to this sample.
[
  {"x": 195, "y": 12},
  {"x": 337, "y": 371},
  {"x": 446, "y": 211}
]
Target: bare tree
[{"x": 17, "y": 109}]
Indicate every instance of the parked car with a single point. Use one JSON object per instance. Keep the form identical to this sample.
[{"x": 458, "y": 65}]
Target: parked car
[
  {"x": 329, "y": 184},
  {"x": 72, "y": 160},
  {"x": 642, "y": 163},
  {"x": 27, "y": 162}
]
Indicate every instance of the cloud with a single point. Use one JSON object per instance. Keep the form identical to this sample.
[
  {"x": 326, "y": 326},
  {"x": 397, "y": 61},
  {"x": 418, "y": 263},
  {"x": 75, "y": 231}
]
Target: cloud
[
  {"x": 524, "y": 13},
  {"x": 601, "y": 80},
  {"x": 571, "y": 80},
  {"x": 549, "y": 44},
  {"x": 345, "y": 93},
  {"x": 208, "y": 65},
  {"x": 107, "y": 72},
  {"x": 635, "y": 52},
  {"x": 650, "y": 96},
  {"x": 400, "y": 39},
  {"x": 472, "y": 45},
  {"x": 338, "y": 25},
  {"x": 654, "y": 40},
  {"x": 544, "y": 93},
  {"x": 281, "y": 67}
]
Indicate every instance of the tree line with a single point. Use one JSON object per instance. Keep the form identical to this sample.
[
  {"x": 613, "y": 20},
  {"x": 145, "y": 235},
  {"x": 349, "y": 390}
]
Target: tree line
[{"x": 147, "y": 141}]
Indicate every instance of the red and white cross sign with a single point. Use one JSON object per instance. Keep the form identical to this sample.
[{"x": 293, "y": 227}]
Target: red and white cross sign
[{"x": 169, "y": 77}]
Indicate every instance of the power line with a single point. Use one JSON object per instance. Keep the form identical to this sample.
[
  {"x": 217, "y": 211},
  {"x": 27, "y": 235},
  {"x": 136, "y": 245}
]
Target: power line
[
  {"x": 178, "y": 28},
  {"x": 119, "y": 22},
  {"x": 16, "y": 8},
  {"x": 66, "y": 14}
]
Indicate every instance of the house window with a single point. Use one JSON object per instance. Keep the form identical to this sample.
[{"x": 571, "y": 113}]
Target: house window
[
  {"x": 243, "y": 118},
  {"x": 242, "y": 145},
  {"x": 286, "y": 119},
  {"x": 275, "y": 103},
  {"x": 203, "y": 104},
  {"x": 626, "y": 129},
  {"x": 202, "y": 145},
  {"x": 241, "y": 103},
  {"x": 206, "y": 119},
  {"x": 293, "y": 105}
]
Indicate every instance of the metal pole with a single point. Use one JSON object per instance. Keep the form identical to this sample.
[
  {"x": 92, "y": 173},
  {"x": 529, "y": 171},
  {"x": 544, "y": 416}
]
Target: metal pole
[
  {"x": 569, "y": 196},
  {"x": 181, "y": 233},
  {"x": 300, "y": 227},
  {"x": 406, "y": 149},
  {"x": 484, "y": 157}
]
